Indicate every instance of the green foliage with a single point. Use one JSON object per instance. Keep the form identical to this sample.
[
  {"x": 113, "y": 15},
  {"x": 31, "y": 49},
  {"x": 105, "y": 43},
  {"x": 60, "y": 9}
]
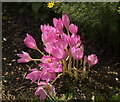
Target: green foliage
[
  {"x": 94, "y": 18},
  {"x": 39, "y": 10},
  {"x": 115, "y": 98},
  {"x": 35, "y": 7}
]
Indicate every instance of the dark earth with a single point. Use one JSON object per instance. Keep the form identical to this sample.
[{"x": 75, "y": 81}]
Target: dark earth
[{"x": 103, "y": 81}]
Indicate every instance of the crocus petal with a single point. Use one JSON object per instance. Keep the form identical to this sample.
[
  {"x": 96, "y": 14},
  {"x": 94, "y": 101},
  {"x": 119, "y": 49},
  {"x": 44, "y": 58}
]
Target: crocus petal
[
  {"x": 49, "y": 34},
  {"x": 66, "y": 21},
  {"x": 41, "y": 93},
  {"x": 77, "y": 53},
  {"x": 73, "y": 29},
  {"x": 25, "y": 57},
  {"x": 48, "y": 76},
  {"x": 30, "y": 42},
  {"x": 46, "y": 59},
  {"x": 92, "y": 59},
  {"x": 58, "y": 23},
  {"x": 33, "y": 76},
  {"x": 74, "y": 40},
  {"x": 59, "y": 53}
]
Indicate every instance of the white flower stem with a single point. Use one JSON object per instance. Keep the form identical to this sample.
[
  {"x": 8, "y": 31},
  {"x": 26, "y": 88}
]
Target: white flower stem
[
  {"x": 64, "y": 66},
  {"x": 77, "y": 64},
  {"x": 76, "y": 71},
  {"x": 48, "y": 95},
  {"x": 56, "y": 78},
  {"x": 70, "y": 63},
  {"x": 35, "y": 59},
  {"x": 40, "y": 51}
]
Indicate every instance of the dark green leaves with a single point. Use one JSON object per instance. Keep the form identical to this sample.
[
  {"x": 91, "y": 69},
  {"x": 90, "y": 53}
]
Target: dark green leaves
[{"x": 36, "y": 7}]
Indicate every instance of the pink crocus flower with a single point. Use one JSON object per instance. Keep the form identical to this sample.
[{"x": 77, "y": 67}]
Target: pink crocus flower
[
  {"x": 73, "y": 29},
  {"x": 55, "y": 66},
  {"x": 66, "y": 21},
  {"x": 48, "y": 47},
  {"x": 47, "y": 75},
  {"x": 92, "y": 59},
  {"x": 50, "y": 64},
  {"x": 58, "y": 25},
  {"x": 41, "y": 93},
  {"x": 43, "y": 87},
  {"x": 25, "y": 57},
  {"x": 47, "y": 86},
  {"x": 63, "y": 41},
  {"x": 49, "y": 34},
  {"x": 30, "y": 42},
  {"x": 46, "y": 59},
  {"x": 74, "y": 40},
  {"x": 59, "y": 53},
  {"x": 77, "y": 53},
  {"x": 34, "y": 75}
]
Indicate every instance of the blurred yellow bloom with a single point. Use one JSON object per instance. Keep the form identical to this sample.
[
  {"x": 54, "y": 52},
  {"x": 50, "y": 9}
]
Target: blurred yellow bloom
[
  {"x": 118, "y": 11},
  {"x": 50, "y": 4}
]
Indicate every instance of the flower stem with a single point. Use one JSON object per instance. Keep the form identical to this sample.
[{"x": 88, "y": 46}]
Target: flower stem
[
  {"x": 88, "y": 70},
  {"x": 76, "y": 74},
  {"x": 48, "y": 96},
  {"x": 64, "y": 66},
  {"x": 40, "y": 51},
  {"x": 73, "y": 62},
  {"x": 77, "y": 64},
  {"x": 81, "y": 61},
  {"x": 68, "y": 32},
  {"x": 56, "y": 78},
  {"x": 70, "y": 63},
  {"x": 35, "y": 59},
  {"x": 84, "y": 70}
]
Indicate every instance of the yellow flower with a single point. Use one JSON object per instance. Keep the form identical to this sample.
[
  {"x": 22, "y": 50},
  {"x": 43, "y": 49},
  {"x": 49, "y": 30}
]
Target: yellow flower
[
  {"x": 118, "y": 11},
  {"x": 50, "y": 4}
]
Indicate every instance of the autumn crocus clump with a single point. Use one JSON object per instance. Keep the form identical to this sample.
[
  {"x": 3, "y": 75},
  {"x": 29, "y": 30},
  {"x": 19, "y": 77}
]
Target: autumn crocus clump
[{"x": 65, "y": 54}]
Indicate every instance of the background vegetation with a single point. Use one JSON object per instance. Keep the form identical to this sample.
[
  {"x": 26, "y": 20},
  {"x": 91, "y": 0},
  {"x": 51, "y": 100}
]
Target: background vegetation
[{"x": 93, "y": 18}]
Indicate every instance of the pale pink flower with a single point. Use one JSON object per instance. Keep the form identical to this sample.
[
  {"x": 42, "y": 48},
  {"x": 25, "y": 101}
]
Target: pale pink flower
[
  {"x": 47, "y": 86},
  {"x": 48, "y": 47},
  {"x": 66, "y": 21},
  {"x": 63, "y": 41},
  {"x": 73, "y": 29},
  {"x": 49, "y": 34},
  {"x": 34, "y": 75},
  {"x": 92, "y": 59},
  {"x": 59, "y": 53},
  {"x": 41, "y": 93},
  {"x": 58, "y": 23},
  {"x": 43, "y": 89},
  {"x": 74, "y": 40},
  {"x": 25, "y": 57},
  {"x": 30, "y": 42},
  {"x": 46, "y": 59},
  {"x": 47, "y": 75},
  {"x": 50, "y": 64},
  {"x": 77, "y": 53}
]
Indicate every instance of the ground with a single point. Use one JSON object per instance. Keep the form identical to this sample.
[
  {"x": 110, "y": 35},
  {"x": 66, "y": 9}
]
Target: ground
[{"x": 103, "y": 81}]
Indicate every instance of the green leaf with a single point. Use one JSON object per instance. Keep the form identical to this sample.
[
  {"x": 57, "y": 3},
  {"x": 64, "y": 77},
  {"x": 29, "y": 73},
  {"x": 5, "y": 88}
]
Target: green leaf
[{"x": 36, "y": 7}]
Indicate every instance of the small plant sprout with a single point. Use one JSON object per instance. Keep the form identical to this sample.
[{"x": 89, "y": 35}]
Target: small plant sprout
[{"x": 65, "y": 54}]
